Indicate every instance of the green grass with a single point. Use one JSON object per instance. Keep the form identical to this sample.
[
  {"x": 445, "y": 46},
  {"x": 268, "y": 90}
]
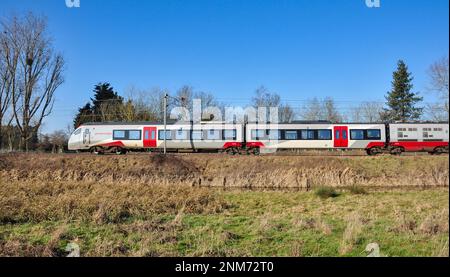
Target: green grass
[{"x": 257, "y": 224}]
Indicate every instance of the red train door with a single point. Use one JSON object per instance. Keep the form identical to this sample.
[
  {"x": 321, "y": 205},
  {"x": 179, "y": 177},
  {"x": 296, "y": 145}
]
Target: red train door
[
  {"x": 340, "y": 136},
  {"x": 149, "y": 137}
]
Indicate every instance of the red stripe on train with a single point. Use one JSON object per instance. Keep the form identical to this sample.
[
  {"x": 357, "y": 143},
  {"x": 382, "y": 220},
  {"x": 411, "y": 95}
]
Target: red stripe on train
[
  {"x": 419, "y": 145},
  {"x": 232, "y": 145},
  {"x": 113, "y": 144}
]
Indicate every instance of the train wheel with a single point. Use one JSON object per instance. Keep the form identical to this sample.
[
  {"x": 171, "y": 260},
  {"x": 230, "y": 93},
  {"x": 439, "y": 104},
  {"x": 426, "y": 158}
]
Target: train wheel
[
  {"x": 439, "y": 151},
  {"x": 374, "y": 151},
  {"x": 397, "y": 151},
  {"x": 256, "y": 151},
  {"x": 120, "y": 151},
  {"x": 97, "y": 151}
]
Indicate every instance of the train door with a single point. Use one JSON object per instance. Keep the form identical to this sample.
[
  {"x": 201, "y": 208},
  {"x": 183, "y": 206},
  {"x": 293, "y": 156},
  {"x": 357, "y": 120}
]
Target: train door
[
  {"x": 149, "y": 137},
  {"x": 86, "y": 137},
  {"x": 340, "y": 136}
]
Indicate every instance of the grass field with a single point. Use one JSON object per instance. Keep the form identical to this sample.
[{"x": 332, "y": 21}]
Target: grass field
[{"x": 141, "y": 205}]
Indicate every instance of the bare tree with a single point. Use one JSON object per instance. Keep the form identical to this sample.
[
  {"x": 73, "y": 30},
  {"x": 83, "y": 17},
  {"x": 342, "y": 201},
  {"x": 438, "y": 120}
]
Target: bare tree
[
  {"x": 312, "y": 110},
  {"x": 264, "y": 98},
  {"x": 321, "y": 110},
  {"x": 439, "y": 83},
  {"x": 58, "y": 139},
  {"x": 368, "y": 112},
  {"x": 5, "y": 87},
  {"x": 35, "y": 71},
  {"x": 330, "y": 111}
]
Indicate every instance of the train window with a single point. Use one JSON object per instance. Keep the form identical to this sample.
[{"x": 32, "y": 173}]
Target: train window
[
  {"x": 119, "y": 134},
  {"x": 344, "y": 134},
  {"x": 134, "y": 135},
  {"x": 77, "y": 132},
  {"x": 274, "y": 134},
  {"x": 373, "y": 134},
  {"x": 229, "y": 134},
  {"x": 197, "y": 135},
  {"x": 337, "y": 135},
  {"x": 357, "y": 134},
  {"x": 291, "y": 135},
  {"x": 168, "y": 135},
  {"x": 258, "y": 134},
  {"x": 153, "y": 135},
  {"x": 324, "y": 134},
  {"x": 214, "y": 134},
  {"x": 181, "y": 135}
]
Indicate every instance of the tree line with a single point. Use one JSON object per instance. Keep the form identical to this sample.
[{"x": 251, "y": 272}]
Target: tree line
[{"x": 31, "y": 71}]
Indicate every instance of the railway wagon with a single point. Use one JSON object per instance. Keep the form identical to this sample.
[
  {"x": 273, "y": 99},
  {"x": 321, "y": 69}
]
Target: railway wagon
[
  {"x": 418, "y": 137},
  {"x": 119, "y": 137},
  {"x": 370, "y": 137}
]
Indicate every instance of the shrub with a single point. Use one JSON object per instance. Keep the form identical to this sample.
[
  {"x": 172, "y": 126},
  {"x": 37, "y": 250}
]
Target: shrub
[{"x": 326, "y": 192}]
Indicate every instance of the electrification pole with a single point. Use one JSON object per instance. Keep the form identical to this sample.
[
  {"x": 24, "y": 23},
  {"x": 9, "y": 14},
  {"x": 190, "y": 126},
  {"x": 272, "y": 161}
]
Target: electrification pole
[{"x": 165, "y": 122}]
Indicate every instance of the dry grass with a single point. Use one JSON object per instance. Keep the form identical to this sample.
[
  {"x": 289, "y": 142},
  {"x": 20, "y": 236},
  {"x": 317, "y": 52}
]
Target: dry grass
[
  {"x": 106, "y": 202},
  {"x": 268, "y": 172}
]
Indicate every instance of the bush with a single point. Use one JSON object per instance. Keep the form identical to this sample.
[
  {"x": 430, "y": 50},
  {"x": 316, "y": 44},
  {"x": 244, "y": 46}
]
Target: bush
[
  {"x": 326, "y": 192},
  {"x": 357, "y": 190}
]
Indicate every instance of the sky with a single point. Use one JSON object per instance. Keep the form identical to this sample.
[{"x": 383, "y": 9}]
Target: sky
[{"x": 297, "y": 48}]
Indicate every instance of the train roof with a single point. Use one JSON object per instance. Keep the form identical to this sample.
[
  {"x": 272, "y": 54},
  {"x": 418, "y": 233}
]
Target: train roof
[{"x": 173, "y": 122}]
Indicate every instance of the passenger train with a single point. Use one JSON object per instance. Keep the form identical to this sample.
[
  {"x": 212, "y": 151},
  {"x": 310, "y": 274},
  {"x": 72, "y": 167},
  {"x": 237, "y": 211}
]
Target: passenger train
[{"x": 251, "y": 138}]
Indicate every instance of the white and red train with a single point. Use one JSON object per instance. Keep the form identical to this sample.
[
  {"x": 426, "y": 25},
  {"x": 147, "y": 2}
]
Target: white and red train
[{"x": 252, "y": 138}]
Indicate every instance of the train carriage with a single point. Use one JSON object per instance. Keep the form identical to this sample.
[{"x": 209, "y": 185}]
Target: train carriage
[
  {"x": 120, "y": 137},
  {"x": 418, "y": 137},
  {"x": 370, "y": 137}
]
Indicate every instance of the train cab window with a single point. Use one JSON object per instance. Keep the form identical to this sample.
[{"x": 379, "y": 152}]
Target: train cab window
[
  {"x": 229, "y": 134},
  {"x": 291, "y": 135},
  {"x": 119, "y": 134},
  {"x": 197, "y": 135},
  {"x": 326, "y": 134},
  {"x": 374, "y": 134},
  {"x": 77, "y": 132},
  {"x": 213, "y": 134},
  {"x": 357, "y": 134},
  {"x": 168, "y": 135}
]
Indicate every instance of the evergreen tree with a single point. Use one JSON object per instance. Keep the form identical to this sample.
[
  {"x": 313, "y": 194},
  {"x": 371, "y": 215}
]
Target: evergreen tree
[
  {"x": 105, "y": 99},
  {"x": 85, "y": 114},
  {"x": 401, "y": 101},
  {"x": 106, "y": 106}
]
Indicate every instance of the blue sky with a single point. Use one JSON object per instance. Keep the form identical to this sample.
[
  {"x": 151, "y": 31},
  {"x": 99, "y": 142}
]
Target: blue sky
[{"x": 297, "y": 48}]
